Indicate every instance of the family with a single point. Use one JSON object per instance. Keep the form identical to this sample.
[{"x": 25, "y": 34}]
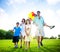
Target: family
[{"x": 23, "y": 31}]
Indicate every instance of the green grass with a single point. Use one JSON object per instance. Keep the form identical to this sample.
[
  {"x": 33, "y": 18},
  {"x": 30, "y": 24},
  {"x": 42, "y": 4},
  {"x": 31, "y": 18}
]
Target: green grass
[{"x": 50, "y": 45}]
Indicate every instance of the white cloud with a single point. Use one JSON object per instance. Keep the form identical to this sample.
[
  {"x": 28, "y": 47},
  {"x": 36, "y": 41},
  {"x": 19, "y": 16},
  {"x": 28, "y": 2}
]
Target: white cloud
[
  {"x": 58, "y": 13},
  {"x": 11, "y": 2},
  {"x": 2, "y": 13},
  {"x": 52, "y": 2}
]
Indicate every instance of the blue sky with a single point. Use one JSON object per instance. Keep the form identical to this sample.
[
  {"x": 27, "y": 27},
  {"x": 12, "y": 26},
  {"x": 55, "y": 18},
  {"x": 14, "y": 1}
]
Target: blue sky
[{"x": 12, "y": 11}]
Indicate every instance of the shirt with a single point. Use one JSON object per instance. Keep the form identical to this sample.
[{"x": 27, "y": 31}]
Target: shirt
[
  {"x": 17, "y": 31},
  {"x": 39, "y": 22}
]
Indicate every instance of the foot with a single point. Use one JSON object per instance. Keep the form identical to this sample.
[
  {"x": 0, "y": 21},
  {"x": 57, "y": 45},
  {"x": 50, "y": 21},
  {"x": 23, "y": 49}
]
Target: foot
[
  {"x": 41, "y": 43},
  {"x": 39, "y": 46},
  {"x": 20, "y": 46},
  {"x": 16, "y": 46}
]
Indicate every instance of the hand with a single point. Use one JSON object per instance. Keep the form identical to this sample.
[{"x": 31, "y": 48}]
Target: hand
[{"x": 51, "y": 27}]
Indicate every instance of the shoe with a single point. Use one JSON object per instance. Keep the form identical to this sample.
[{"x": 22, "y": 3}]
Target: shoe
[
  {"x": 20, "y": 46},
  {"x": 16, "y": 46},
  {"x": 41, "y": 43},
  {"x": 39, "y": 46}
]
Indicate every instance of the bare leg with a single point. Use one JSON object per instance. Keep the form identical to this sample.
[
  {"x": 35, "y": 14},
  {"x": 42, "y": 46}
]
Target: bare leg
[
  {"x": 21, "y": 42},
  {"x": 41, "y": 39},
  {"x": 38, "y": 41},
  {"x": 28, "y": 44}
]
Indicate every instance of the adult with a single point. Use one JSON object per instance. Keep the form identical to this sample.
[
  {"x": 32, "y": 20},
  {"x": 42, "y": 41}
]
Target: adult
[{"x": 39, "y": 22}]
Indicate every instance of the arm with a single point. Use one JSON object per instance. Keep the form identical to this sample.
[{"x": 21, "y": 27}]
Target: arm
[
  {"x": 46, "y": 25},
  {"x": 49, "y": 26}
]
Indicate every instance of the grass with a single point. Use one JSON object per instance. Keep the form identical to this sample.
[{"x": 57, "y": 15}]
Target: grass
[{"x": 50, "y": 45}]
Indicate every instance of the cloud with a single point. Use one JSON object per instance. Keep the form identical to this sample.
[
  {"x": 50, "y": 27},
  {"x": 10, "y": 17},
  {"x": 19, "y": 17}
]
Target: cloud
[
  {"x": 2, "y": 13},
  {"x": 58, "y": 13},
  {"x": 52, "y": 2},
  {"x": 11, "y": 2}
]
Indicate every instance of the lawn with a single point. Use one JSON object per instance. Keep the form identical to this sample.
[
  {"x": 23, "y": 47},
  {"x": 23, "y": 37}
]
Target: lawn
[{"x": 50, "y": 45}]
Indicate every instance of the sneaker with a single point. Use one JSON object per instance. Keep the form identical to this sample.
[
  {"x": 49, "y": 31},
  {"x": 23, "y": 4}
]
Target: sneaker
[
  {"x": 39, "y": 46},
  {"x": 41, "y": 43},
  {"x": 16, "y": 46},
  {"x": 20, "y": 46}
]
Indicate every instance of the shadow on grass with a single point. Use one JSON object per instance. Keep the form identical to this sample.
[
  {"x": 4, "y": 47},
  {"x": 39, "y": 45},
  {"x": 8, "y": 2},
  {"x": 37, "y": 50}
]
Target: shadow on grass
[{"x": 49, "y": 49}]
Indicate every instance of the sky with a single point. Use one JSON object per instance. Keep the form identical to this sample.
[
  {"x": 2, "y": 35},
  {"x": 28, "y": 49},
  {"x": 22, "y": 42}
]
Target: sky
[{"x": 12, "y": 11}]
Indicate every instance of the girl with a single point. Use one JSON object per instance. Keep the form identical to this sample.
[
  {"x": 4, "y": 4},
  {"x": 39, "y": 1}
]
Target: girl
[
  {"x": 22, "y": 31},
  {"x": 27, "y": 31}
]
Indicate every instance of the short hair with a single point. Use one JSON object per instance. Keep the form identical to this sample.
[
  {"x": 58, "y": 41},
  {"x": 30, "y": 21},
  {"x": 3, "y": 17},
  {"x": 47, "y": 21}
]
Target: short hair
[
  {"x": 38, "y": 12},
  {"x": 27, "y": 20},
  {"x": 17, "y": 22}
]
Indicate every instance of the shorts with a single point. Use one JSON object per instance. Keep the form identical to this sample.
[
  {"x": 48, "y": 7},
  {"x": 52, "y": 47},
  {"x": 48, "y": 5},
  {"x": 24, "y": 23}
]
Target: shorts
[
  {"x": 40, "y": 32},
  {"x": 27, "y": 38},
  {"x": 15, "y": 39}
]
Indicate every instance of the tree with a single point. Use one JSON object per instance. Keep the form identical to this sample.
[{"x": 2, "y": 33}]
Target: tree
[
  {"x": 59, "y": 36},
  {"x": 52, "y": 37},
  {"x": 2, "y": 34},
  {"x": 9, "y": 35}
]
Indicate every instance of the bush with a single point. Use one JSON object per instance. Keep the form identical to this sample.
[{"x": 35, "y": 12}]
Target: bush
[
  {"x": 6, "y": 34},
  {"x": 46, "y": 38},
  {"x": 52, "y": 37},
  {"x": 2, "y": 34},
  {"x": 9, "y": 35}
]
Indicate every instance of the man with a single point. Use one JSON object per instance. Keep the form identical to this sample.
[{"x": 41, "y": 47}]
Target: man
[{"x": 39, "y": 22}]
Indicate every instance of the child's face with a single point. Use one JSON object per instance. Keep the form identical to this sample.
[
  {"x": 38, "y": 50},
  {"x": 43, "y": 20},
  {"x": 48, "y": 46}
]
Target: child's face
[
  {"x": 17, "y": 25},
  {"x": 27, "y": 22},
  {"x": 23, "y": 21}
]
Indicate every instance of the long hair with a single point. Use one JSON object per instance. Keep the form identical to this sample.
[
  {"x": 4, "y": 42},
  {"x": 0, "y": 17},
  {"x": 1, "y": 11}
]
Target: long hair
[
  {"x": 26, "y": 21},
  {"x": 23, "y": 19}
]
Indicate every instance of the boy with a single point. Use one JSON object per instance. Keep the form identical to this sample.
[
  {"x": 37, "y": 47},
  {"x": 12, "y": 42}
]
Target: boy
[{"x": 16, "y": 35}]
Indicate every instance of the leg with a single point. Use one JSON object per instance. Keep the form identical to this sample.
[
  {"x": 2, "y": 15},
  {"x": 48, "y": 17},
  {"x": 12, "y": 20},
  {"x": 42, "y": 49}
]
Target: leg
[
  {"x": 41, "y": 39},
  {"x": 38, "y": 41},
  {"x": 24, "y": 40},
  {"x": 16, "y": 44},
  {"x": 21, "y": 42},
  {"x": 29, "y": 44}
]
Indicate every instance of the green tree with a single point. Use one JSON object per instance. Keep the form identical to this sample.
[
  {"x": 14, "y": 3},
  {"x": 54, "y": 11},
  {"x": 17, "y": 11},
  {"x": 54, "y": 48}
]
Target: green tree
[
  {"x": 59, "y": 36},
  {"x": 9, "y": 35},
  {"x": 2, "y": 34}
]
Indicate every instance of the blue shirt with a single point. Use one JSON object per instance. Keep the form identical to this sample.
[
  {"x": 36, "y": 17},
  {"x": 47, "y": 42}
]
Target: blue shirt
[
  {"x": 39, "y": 22},
  {"x": 17, "y": 31}
]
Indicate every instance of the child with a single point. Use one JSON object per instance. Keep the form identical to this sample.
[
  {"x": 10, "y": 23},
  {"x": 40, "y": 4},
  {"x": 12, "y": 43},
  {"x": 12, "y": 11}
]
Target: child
[
  {"x": 22, "y": 31},
  {"x": 27, "y": 31},
  {"x": 16, "y": 35}
]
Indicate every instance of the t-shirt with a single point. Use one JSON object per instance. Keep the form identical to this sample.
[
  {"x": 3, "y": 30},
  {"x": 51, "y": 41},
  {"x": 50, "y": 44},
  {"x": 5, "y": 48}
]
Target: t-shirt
[
  {"x": 39, "y": 22},
  {"x": 17, "y": 31}
]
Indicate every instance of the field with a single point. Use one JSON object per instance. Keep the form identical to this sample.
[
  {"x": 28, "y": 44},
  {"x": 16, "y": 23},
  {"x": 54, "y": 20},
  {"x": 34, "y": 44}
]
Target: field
[{"x": 50, "y": 45}]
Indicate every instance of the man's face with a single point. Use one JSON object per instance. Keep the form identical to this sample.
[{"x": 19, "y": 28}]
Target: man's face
[{"x": 38, "y": 13}]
